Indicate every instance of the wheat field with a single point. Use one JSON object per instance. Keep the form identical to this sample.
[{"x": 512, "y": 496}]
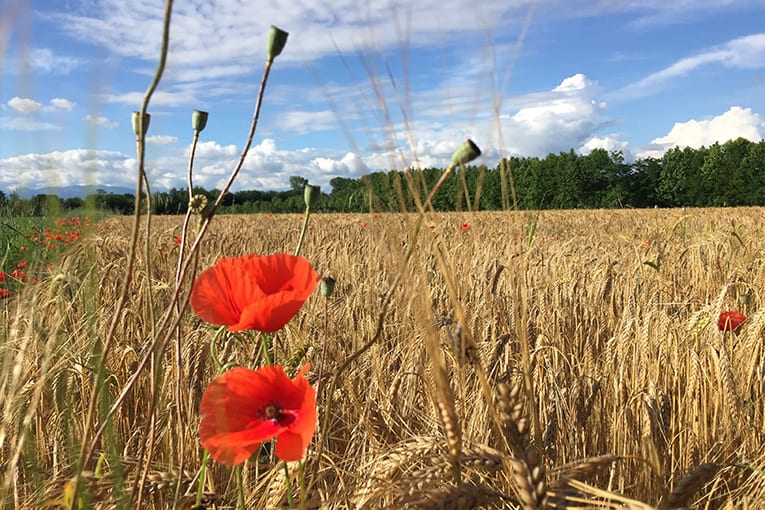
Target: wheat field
[{"x": 556, "y": 359}]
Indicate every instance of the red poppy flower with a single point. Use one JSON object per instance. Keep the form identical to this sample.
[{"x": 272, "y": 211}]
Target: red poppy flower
[
  {"x": 730, "y": 320},
  {"x": 364, "y": 224},
  {"x": 178, "y": 240},
  {"x": 22, "y": 264},
  {"x": 19, "y": 275},
  {"x": 253, "y": 292},
  {"x": 3, "y": 277},
  {"x": 5, "y": 293},
  {"x": 243, "y": 407},
  {"x": 465, "y": 226}
]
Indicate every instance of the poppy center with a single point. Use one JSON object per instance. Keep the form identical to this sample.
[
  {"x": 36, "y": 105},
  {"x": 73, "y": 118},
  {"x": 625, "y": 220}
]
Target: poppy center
[{"x": 272, "y": 412}]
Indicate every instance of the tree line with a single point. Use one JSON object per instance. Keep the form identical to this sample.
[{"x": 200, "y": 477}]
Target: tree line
[{"x": 728, "y": 174}]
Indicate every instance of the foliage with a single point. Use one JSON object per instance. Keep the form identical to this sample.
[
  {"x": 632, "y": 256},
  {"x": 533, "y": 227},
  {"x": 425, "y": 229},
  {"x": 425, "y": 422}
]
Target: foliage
[{"x": 728, "y": 174}]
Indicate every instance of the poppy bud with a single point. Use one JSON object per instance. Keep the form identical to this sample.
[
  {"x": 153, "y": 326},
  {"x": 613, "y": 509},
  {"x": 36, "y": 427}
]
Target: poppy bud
[
  {"x": 277, "y": 38},
  {"x": 327, "y": 286},
  {"x": 466, "y": 153},
  {"x": 311, "y": 194},
  {"x": 137, "y": 123},
  {"x": 198, "y": 120}
]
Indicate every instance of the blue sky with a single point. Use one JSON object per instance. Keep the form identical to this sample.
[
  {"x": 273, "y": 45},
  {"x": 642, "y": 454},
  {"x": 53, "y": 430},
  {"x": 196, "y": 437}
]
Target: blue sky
[{"x": 367, "y": 86}]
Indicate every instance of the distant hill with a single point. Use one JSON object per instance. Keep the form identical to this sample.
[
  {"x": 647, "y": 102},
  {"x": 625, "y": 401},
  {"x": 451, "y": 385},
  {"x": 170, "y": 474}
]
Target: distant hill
[{"x": 71, "y": 191}]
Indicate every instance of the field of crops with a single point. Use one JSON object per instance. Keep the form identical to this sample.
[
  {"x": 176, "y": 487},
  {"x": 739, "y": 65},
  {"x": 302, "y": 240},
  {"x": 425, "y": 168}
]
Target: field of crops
[{"x": 561, "y": 359}]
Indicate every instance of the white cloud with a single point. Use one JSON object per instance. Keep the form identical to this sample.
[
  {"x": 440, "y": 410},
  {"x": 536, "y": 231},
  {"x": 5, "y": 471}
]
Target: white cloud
[
  {"x": 101, "y": 121},
  {"x": 24, "y": 105},
  {"x": 44, "y": 60},
  {"x": 64, "y": 168},
  {"x": 557, "y": 121},
  {"x": 734, "y": 123},
  {"x": 161, "y": 139},
  {"x": 301, "y": 122},
  {"x": 742, "y": 53},
  {"x": 26, "y": 124},
  {"x": 159, "y": 98},
  {"x": 27, "y": 105},
  {"x": 610, "y": 143},
  {"x": 61, "y": 104}
]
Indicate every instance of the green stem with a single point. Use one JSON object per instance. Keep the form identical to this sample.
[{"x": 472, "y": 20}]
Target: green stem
[
  {"x": 240, "y": 485},
  {"x": 303, "y": 230},
  {"x": 301, "y": 480},
  {"x": 266, "y": 347},
  {"x": 289, "y": 485},
  {"x": 202, "y": 474}
]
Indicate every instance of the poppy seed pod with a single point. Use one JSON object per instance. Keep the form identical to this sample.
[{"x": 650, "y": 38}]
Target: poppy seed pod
[
  {"x": 466, "y": 153},
  {"x": 327, "y": 286},
  {"x": 277, "y": 38},
  {"x": 136, "y": 118},
  {"x": 199, "y": 120},
  {"x": 311, "y": 194}
]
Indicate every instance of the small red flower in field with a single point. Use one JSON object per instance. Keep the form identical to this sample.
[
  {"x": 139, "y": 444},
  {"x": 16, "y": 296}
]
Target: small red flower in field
[
  {"x": 19, "y": 275},
  {"x": 253, "y": 292},
  {"x": 22, "y": 264},
  {"x": 5, "y": 293},
  {"x": 22, "y": 249},
  {"x": 52, "y": 246},
  {"x": 178, "y": 240},
  {"x": 243, "y": 407},
  {"x": 465, "y": 226},
  {"x": 270, "y": 215},
  {"x": 730, "y": 320},
  {"x": 375, "y": 216},
  {"x": 364, "y": 224},
  {"x": 3, "y": 277}
]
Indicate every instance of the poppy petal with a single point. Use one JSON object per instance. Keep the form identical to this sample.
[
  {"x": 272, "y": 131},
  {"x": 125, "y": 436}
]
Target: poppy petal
[
  {"x": 235, "y": 447},
  {"x": 234, "y": 424},
  {"x": 291, "y": 446},
  {"x": 270, "y": 313},
  {"x": 253, "y": 292},
  {"x": 212, "y": 296}
]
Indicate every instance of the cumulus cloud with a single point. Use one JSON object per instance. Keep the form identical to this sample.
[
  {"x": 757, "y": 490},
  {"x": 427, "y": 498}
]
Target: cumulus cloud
[
  {"x": 161, "y": 139},
  {"x": 611, "y": 143},
  {"x": 557, "y": 121},
  {"x": 27, "y": 105},
  {"x": 24, "y": 105},
  {"x": 64, "y": 168},
  {"x": 100, "y": 121},
  {"x": 734, "y": 123},
  {"x": 61, "y": 104}
]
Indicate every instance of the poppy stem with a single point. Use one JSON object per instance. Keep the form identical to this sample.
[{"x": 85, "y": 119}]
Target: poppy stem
[
  {"x": 265, "y": 346},
  {"x": 289, "y": 485},
  {"x": 301, "y": 479},
  {"x": 303, "y": 230},
  {"x": 202, "y": 474},
  {"x": 240, "y": 485}
]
